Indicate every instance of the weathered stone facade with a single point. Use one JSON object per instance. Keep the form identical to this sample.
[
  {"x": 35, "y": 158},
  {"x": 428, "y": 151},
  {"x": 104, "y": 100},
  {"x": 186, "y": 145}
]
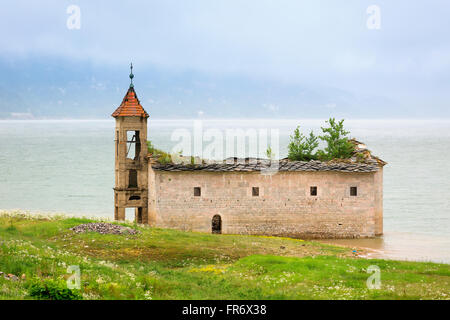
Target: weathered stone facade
[
  {"x": 284, "y": 205},
  {"x": 131, "y": 163}
]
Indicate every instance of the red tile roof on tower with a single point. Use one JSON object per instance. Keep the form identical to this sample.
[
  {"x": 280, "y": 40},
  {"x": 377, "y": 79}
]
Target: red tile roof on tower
[{"x": 130, "y": 107}]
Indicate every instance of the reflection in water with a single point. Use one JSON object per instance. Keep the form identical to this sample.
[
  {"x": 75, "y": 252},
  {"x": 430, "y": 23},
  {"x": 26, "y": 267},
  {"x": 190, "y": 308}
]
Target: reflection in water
[{"x": 401, "y": 246}]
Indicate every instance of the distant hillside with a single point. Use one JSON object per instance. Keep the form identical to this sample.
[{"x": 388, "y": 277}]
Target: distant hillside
[{"x": 55, "y": 89}]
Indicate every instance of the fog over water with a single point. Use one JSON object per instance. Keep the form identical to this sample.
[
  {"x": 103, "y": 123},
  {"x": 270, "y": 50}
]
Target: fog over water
[{"x": 68, "y": 166}]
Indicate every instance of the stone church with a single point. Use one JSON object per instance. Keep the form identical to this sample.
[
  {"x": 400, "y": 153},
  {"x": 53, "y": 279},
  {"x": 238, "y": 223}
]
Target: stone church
[{"x": 303, "y": 199}]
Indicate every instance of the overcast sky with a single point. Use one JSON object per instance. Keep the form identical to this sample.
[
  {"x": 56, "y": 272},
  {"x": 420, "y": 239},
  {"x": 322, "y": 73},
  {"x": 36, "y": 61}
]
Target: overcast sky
[{"x": 314, "y": 44}]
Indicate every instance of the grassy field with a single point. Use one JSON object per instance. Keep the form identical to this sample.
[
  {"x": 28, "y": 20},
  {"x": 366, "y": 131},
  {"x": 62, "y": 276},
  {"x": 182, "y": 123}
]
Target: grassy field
[{"x": 168, "y": 264}]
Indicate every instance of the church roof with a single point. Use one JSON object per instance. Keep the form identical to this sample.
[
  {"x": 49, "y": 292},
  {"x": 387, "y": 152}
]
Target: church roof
[
  {"x": 253, "y": 164},
  {"x": 130, "y": 106},
  {"x": 362, "y": 160}
]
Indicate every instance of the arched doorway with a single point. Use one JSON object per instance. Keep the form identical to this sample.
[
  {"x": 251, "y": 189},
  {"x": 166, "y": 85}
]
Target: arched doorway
[{"x": 216, "y": 224}]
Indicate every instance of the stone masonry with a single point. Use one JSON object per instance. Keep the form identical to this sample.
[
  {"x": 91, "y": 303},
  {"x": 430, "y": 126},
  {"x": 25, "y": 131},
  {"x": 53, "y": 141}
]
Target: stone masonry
[{"x": 284, "y": 205}]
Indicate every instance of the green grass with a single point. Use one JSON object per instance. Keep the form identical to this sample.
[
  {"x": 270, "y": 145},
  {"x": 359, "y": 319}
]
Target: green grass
[{"x": 170, "y": 264}]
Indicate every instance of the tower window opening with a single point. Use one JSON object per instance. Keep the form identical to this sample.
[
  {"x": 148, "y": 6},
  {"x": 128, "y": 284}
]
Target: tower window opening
[
  {"x": 353, "y": 191},
  {"x": 133, "y": 145},
  {"x": 255, "y": 191},
  {"x": 313, "y": 191},
  {"x": 197, "y": 191},
  {"x": 135, "y": 198},
  {"x": 132, "y": 179}
]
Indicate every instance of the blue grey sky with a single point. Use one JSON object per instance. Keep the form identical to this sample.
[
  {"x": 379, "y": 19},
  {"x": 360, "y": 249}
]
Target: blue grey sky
[{"x": 227, "y": 58}]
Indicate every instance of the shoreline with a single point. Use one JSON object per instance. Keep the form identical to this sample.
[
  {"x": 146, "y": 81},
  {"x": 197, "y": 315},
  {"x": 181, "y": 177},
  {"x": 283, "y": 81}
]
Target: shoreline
[{"x": 400, "y": 246}]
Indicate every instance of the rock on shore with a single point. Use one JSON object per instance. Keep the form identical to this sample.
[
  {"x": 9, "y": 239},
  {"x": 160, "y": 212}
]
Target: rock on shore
[
  {"x": 9, "y": 276},
  {"x": 103, "y": 228}
]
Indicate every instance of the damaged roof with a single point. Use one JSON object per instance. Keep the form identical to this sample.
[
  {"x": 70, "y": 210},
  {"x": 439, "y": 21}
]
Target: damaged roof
[
  {"x": 246, "y": 165},
  {"x": 361, "y": 161},
  {"x": 362, "y": 152}
]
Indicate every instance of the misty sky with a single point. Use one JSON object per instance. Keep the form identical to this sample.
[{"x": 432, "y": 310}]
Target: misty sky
[{"x": 227, "y": 58}]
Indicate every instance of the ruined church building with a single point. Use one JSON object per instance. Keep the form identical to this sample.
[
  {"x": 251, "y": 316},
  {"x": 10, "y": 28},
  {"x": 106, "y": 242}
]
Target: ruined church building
[{"x": 302, "y": 200}]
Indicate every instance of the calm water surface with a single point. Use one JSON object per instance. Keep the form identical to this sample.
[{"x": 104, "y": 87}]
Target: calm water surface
[{"x": 68, "y": 166}]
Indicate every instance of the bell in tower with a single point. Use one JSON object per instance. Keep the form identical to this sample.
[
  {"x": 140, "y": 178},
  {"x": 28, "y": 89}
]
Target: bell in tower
[{"x": 131, "y": 180}]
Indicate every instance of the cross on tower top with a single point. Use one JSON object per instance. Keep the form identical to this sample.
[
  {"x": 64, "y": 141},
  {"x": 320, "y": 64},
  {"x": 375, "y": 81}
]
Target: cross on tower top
[{"x": 131, "y": 75}]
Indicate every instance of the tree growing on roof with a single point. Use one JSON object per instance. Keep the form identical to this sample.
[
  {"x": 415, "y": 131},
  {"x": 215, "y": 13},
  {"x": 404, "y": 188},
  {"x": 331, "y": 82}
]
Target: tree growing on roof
[
  {"x": 301, "y": 147},
  {"x": 270, "y": 155},
  {"x": 336, "y": 137}
]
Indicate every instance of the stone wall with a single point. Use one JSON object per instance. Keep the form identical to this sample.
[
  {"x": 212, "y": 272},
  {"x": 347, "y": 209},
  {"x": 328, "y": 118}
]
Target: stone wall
[
  {"x": 284, "y": 206},
  {"x": 378, "y": 185}
]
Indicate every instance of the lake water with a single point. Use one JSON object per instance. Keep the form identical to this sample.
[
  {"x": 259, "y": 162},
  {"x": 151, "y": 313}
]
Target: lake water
[{"x": 67, "y": 166}]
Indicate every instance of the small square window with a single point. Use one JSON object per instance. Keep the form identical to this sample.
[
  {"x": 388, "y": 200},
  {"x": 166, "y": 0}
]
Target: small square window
[
  {"x": 197, "y": 191},
  {"x": 255, "y": 191},
  {"x": 353, "y": 191},
  {"x": 313, "y": 191}
]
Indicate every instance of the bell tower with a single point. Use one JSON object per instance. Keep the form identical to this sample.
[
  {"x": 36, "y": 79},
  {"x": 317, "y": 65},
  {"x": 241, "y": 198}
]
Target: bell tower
[{"x": 131, "y": 166}]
